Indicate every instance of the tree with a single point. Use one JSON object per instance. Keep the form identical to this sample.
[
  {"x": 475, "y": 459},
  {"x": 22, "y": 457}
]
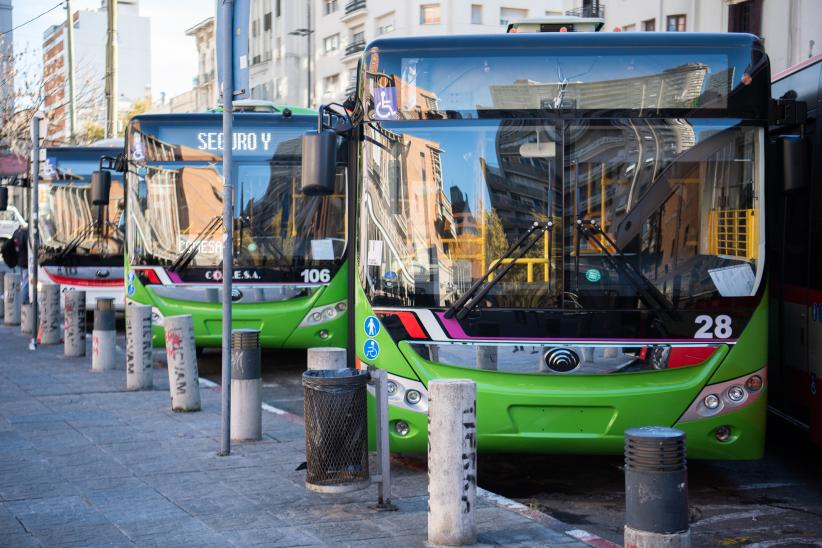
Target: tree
[
  {"x": 140, "y": 106},
  {"x": 91, "y": 133}
]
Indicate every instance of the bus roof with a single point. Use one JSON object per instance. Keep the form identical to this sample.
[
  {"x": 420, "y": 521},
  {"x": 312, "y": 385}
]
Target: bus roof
[
  {"x": 797, "y": 67},
  {"x": 216, "y": 117},
  {"x": 591, "y": 40}
]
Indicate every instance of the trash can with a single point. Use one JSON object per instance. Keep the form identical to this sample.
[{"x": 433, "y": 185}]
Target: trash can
[{"x": 336, "y": 430}]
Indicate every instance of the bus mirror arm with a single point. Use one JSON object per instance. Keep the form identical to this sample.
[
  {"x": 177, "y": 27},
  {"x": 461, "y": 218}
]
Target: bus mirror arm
[{"x": 787, "y": 111}]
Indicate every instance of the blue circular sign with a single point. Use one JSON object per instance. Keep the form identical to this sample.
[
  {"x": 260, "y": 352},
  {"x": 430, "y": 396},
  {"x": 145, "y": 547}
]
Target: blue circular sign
[
  {"x": 130, "y": 289},
  {"x": 371, "y": 326},
  {"x": 371, "y": 349}
]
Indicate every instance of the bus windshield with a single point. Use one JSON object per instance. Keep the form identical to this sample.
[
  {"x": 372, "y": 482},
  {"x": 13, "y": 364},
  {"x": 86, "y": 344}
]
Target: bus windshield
[
  {"x": 70, "y": 226},
  {"x": 669, "y": 207},
  {"x": 175, "y": 199},
  {"x": 565, "y": 74}
]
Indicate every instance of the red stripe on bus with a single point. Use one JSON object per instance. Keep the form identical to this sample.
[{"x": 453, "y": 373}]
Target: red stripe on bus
[
  {"x": 86, "y": 282},
  {"x": 801, "y": 295},
  {"x": 410, "y": 323}
]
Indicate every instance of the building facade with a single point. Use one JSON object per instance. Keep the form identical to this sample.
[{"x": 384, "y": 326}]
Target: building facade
[
  {"x": 336, "y": 31},
  {"x": 204, "y": 94},
  {"x": 789, "y": 28},
  {"x": 6, "y": 58},
  {"x": 134, "y": 61}
]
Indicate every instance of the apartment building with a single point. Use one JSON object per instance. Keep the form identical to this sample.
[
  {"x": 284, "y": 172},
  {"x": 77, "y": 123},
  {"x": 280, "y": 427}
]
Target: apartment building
[
  {"x": 790, "y": 28},
  {"x": 336, "y": 31},
  {"x": 134, "y": 59},
  {"x": 203, "y": 94}
]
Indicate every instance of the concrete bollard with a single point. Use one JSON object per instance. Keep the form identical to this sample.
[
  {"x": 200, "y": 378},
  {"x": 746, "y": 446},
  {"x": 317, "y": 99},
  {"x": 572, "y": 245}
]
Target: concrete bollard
[
  {"x": 246, "y": 385},
  {"x": 326, "y": 358},
  {"x": 103, "y": 336},
  {"x": 656, "y": 488},
  {"x": 26, "y": 320},
  {"x": 50, "y": 314},
  {"x": 11, "y": 304},
  {"x": 452, "y": 462},
  {"x": 139, "y": 350},
  {"x": 183, "y": 378},
  {"x": 74, "y": 312}
]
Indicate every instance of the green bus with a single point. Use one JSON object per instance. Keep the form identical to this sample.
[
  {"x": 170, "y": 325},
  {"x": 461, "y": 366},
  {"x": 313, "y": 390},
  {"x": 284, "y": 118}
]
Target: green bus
[
  {"x": 574, "y": 221},
  {"x": 289, "y": 271}
]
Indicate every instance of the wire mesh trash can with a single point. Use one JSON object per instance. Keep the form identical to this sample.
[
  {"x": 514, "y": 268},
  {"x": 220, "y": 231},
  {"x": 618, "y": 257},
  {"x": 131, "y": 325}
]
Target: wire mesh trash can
[{"x": 336, "y": 430}]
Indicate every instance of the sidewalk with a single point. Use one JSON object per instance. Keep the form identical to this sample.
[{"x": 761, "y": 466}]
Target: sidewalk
[{"x": 85, "y": 463}]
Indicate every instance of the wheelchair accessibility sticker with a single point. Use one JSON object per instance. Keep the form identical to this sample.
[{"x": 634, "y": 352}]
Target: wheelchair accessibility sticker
[
  {"x": 385, "y": 104},
  {"x": 371, "y": 349}
]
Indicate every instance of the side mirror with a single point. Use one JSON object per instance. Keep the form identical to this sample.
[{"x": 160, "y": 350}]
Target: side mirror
[
  {"x": 100, "y": 187},
  {"x": 319, "y": 163},
  {"x": 4, "y": 198},
  {"x": 794, "y": 163}
]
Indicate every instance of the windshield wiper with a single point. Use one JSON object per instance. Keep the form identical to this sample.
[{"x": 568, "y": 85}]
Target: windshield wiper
[
  {"x": 648, "y": 292},
  {"x": 193, "y": 246},
  {"x": 82, "y": 234},
  {"x": 482, "y": 286}
]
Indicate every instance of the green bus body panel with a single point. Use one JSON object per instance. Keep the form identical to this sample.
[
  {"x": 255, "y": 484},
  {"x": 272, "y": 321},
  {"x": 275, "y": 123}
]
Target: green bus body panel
[
  {"x": 586, "y": 414},
  {"x": 278, "y": 322}
]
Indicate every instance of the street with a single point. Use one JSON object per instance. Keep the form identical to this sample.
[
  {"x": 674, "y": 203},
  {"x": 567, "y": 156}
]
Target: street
[{"x": 773, "y": 502}]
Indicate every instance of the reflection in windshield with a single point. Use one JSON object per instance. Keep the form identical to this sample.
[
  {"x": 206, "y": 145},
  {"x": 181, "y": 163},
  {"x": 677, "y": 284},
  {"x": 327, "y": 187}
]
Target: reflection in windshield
[
  {"x": 178, "y": 207},
  {"x": 677, "y": 202},
  {"x": 68, "y": 220}
]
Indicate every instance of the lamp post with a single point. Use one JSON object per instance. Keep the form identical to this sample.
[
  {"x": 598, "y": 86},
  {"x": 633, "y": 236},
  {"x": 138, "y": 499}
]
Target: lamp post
[{"x": 307, "y": 32}]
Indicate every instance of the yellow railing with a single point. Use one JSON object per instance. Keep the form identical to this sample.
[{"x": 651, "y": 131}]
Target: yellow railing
[{"x": 733, "y": 233}]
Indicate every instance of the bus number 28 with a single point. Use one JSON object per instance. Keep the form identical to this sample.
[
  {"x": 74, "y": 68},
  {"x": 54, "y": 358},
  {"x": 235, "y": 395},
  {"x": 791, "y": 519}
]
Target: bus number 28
[
  {"x": 316, "y": 275},
  {"x": 710, "y": 328}
]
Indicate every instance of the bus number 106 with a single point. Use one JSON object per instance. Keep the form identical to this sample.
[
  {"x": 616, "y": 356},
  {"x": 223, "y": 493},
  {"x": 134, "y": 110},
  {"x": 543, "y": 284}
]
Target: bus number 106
[{"x": 316, "y": 275}]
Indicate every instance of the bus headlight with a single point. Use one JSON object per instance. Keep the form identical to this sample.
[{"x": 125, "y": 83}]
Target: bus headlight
[
  {"x": 405, "y": 393},
  {"x": 325, "y": 313},
  {"x": 736, "y": 393},
  {"x": 725, "y": 397}
]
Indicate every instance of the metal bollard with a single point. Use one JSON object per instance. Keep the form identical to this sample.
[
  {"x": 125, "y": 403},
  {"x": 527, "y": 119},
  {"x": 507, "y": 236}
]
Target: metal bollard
[
  {"x": 50, "y": 314},
  {"x": 26, "y": 320},
  {"x": 246, "y": 385},
  {"x": 139, "y": 350},
  {"x": 656, "y": 488},
  {"x": 183, "y": 378},
  {"x": 74, "y": 312},
  {"x": 12, "y": 301},
  {"x": 103, "y": 336},
  {"x": 2, "y": 296},
  {"x": 326, "y": 358},
  {"x": 452, "y": 462}
]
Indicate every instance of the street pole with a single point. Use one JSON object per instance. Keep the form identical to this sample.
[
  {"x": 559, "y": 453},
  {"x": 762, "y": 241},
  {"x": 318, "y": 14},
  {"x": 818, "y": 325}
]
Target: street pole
[
  {"x": 70, "y": 58},
  {"x": 227, "y": 37},
  {"x": 34, "y": 225},
  {"x": 111, "y": 71},
  {"x": 308, "y": 37}
]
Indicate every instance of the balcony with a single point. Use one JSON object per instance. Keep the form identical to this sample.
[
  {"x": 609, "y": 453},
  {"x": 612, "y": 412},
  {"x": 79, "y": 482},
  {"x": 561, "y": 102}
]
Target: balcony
[
  {"x": 592, "y": 10},
  {"x": 354, "y": 10},
  {"x": 354, "y": 48}
]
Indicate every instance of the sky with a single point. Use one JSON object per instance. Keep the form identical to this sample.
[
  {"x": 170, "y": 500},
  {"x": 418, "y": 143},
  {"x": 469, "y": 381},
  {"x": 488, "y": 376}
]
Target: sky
[{"x": 173, "y": 55}]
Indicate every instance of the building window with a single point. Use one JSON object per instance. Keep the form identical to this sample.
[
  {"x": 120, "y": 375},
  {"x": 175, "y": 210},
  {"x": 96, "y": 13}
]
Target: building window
[
  {"x": 649, "y": 25},
  {"x": 331, "y": 43},
  {"x": 430, "y": 14},
  {"x": 676, "y": 23},
  {"x": 331, "y": 83},
  {"x": 476, "y": 14},
  {"x": 278, "y": 7},
  {"x": 358, "y": 35},
  {"x": 506, "y": 15},
  {"x": 385, "y": 24},
  {"x": 255, "y": 28},
  {"x": 629, "y": 28},
  {"x": 745, "y": 17},
  {"x": 279, "y": 47},
  {"x": 267, "y": 21},
  {"x": 329, "y": 6}
]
